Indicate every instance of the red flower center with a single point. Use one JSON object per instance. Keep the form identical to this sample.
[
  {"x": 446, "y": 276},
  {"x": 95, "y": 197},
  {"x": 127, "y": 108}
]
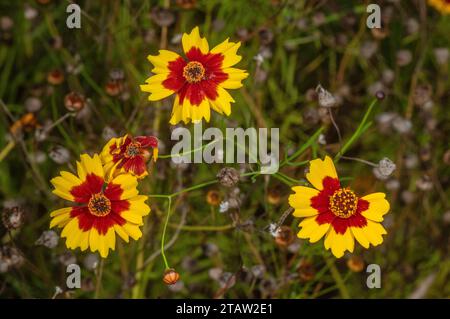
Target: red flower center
[
  {"x": 343, "y": 203},
  {"x": 194, "y": 72},
  {"x": 99, "y": 205},
  {"x": 133, "y": 149}
]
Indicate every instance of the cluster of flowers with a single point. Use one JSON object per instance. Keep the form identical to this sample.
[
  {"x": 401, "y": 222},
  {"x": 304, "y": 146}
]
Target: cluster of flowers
[
  {"x": 104, "y": 195},
  {"x": 105, "y": 186}
]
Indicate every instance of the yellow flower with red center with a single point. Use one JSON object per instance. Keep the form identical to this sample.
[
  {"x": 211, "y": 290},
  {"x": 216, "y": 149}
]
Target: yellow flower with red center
[
  {"x": 101, "y": 208},
  {"x": 128, "y": 154},
  {"x": 337, "y": 213},
  {"x": 199, "y": 81},
  {"x": 442, "y": 6}
]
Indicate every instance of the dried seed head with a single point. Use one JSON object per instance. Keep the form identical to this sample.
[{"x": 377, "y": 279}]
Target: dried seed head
[
  {"x": 49, "y": 239},
  {"x": 403, "y": 57},
  {"x": 380, "y": 95},
  {"x": 411, "y": 161},
  {"x": 258, "y": 271},
  {"x": 424, "y": 183},
  {"x": 422, "y": 94},
  {"x": 425, "y": 153},
  {"x": 10, "y": 257},
  {"x": 213, "y": 198},
  {"x": 446, "y": 157},
  {"x": 306, "y": 271},
  {"x": 13, "y": 217},
  {"x": 392, "y": 184},
  {"x": 215, "y": 273},
  {"x": 274, "y": 196},
  {"x": 326, "y": 99},
  {"x": 386, "y": 167},
  {"x": 117, "y": 74},
  {"x": 227, "y": 280},
  {"x": 228, "y": 176},
  {"x": 388, "y": 76},
  {"x": 355, "y": 263},
  {"x": 265, "y": 36},
  {"x": 162, "y": 17},
  {"x": 33, "y": 104},
  {"x": 187, "y": 4},
  {"x": 74, "y": 102},
  {"x": 285, "y": 236},
  {"x": 59, "y": 154},
  {"x": 114, "y": 88},
  {"x": 402, "y": 125},
  {"x": 210, "y": 249},
  {"x": 170, "y": 276},
  {"x": 67, "y": 258},
  {"x": 441, "y": 55},
  {"x": 6, "y": 23},
  {"x": 408, "y": 197},
  {"x": 55, "y": 77},
  {"x": 368, "y": 49},
  {"x": 311, "y": 116},
  {"x": 91, "y": 261}
]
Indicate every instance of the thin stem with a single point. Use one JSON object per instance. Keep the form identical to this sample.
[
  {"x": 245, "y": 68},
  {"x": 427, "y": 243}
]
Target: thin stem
[
  {"x": 359, "y": 160},
  {"x": 98, "y": 284},
  {"x": 5, "y": 151},
  {"x": 337, "y": 278},
  {"x": 361, "y": 128},
  {"x": 163, "y": 238}
]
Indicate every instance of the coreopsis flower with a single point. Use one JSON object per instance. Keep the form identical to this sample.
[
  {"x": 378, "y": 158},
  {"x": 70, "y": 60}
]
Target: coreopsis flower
[
  {"x": 100, "y": 208},
  {"x": 199, "y": 80},
  {"x": 443, "y": 6},
  {"x": 128, "y": 154},
  {"x": 336, "y": 212}
]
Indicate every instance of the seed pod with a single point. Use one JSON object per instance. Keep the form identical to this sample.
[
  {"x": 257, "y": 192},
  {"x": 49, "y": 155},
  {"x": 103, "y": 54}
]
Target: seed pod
[
  {"x": 162, "y": 17},
  {"x": 10, "y": 257},
  {"x": 274, "y": 196},
  {"x": 114, "y": 88},
  {"x": 48, "y": 238},
  {"x": 228, "y": 176},
  {"x": 55, "y": 77},
  {"x": 326, "y": 99},
  {"x": 59, "y": 154},
  {"x": 13, "y": 218},
  {"x": 306, "y": 271},
  {"x": 355, "y": 263},
  {"x": 186, "y": 4},
  {"x": 213, "y": 198},
  {"x": 74, "y": 102},
  {"x": 171, "y": 276},
  {"x": 285, "y": 236}
]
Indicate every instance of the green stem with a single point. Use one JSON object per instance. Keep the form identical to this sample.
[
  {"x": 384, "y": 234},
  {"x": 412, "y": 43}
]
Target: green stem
[
  {"x": 337, "y": 278},
  {"x": 363, "y": 126},
  {"x": 163, "y": 238}
]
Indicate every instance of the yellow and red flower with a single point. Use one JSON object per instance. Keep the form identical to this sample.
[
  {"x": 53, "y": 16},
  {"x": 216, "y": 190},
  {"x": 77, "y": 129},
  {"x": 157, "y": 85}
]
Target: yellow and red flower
[
  {"x": 442, "y": 6},
  {"x": 129, "y": 154},
  {"x": 336, "y": 212},
  {"x": 101, "y": 209},
  {"x": 199, "y": 80}
]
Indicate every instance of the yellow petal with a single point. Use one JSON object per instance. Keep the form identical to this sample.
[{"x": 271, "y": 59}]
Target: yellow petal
[
  {"x": 378, "y": 206},
  {"x": 60, "y": 220},
  {"x": 84, "y": 240},
  {"x": 177, "y": 112},
  {"x": 132, "y": 230},
  {"x": 229, "y": 51},
  {"x": 91, "y": 165},
  {"x": 94, "y": 240},
  {"x": 128, "y": 184},
  {"x": 156, "y": 88},
  {"x": 193, "y": 40},
  {"x": 138, "y": 205},
  {"x": 222, "y": 104},
  {"x": 235, "y": 76},
  {"x": 71, "y": 228},
  {"x": 360, "y": 237},
  {"x": 61, "y": 211},
  {"x": 162, "y": 60},
  {"x": 373, "y": 232},
  {"x": 132, "y": 217},
  {"x": 119, "y": 230},
  {"x": 319, "y": 169},
  {"x": 301, "y": 201}
]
